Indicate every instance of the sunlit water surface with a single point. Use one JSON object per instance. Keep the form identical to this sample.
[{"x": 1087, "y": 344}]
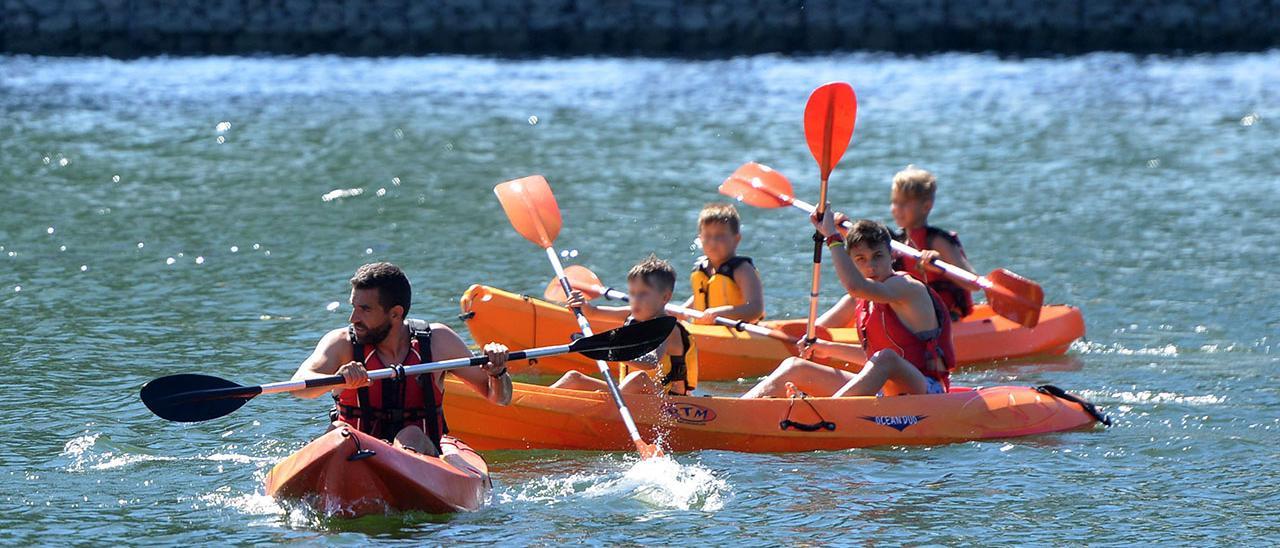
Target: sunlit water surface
[{"x": 203, "y": 215}]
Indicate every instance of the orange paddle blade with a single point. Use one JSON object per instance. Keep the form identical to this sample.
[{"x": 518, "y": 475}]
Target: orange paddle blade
[
  {"x": 1015, "y": 297},
  {"x": 580, "y": 278},
  {"x": 758, "y": 185},
  {"x": 531, "y": 208},
  {"x": 828, "y": 124},
  {"x": 648, "y": 450}
]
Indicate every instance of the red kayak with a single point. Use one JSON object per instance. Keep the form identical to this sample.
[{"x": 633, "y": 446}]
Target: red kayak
[{"x": 349, "y": 473}]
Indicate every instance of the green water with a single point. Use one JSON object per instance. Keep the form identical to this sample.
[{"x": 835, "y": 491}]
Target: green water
[{"x": 167, "y": 215}]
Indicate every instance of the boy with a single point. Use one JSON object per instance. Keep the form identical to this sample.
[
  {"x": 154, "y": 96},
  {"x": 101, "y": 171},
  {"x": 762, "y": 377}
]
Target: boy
[
  {"x": 674, "y": 364},
  {"x": 912, "y": 199},
  {"x": 724, "y": 284},
  {"x": 904, "y": 330}
]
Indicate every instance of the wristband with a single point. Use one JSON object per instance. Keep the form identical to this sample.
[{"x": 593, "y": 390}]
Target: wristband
[{"x": 499, "y": 375}]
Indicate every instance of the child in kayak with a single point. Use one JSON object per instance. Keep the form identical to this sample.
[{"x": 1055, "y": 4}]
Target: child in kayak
[
  {"x": 912, "y": 200},
  {"x": 673, "y": 365},
  {"x": 724, "y": 283},
  {"x": 407, "y": 412},
  {"x": 904, "y": 330}
]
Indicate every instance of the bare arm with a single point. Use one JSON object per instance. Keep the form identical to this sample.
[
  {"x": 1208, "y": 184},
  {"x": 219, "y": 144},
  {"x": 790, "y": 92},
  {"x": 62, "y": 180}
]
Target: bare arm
[
  {"x": 892, "y": 290},
  {"x": 332, "y": 352},
  {"x": 849, "y": 353},
  {"x": 748, "y": 280},
  {"x": 591, "y": 311},
  {"x": 840, "y": 315},
  {"x": 447, "y": 345}
]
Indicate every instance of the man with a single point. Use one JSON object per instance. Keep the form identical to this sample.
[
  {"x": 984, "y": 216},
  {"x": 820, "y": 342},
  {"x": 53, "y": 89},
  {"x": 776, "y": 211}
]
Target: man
[{"x": 408, "y": 412}]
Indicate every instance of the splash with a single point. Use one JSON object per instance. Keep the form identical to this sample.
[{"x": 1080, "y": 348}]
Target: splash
[
  {"x": 86, "y": 453},
  {"x": 658, "y": 482},
  {"x": 1146, "y": 396},
  {"x": 1117, "y": 348}
]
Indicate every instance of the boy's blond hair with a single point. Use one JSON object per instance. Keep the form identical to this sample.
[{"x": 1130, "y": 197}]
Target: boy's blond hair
[
  {"x": 654, "y": 272},
  {"x": 721, "y": 213},
  {"x": 915, "y": 183}
]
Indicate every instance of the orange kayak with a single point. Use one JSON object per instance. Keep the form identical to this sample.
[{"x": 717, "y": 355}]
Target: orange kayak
[
  {"x": 551, "y": 418},
  {"x": 349, "y": 473},
  {"x": 521, "y": 321}
]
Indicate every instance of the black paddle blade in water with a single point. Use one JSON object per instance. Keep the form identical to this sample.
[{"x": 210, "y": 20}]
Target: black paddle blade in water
[
  {"x": 627, "y": 342},
  {"x": 194, "y": 398}
]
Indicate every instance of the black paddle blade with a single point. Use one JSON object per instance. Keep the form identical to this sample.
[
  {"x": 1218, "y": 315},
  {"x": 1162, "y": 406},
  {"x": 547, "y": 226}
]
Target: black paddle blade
[
  {"x": 194, "y": 398},
  {"x": 627, "y": 342}
]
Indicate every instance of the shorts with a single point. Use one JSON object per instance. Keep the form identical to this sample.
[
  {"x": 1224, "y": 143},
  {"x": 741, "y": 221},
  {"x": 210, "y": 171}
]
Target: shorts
[{"x": 934, "y": 387}]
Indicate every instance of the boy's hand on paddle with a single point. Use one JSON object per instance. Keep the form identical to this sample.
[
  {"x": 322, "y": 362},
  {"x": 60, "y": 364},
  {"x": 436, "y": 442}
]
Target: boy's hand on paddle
[
  {"x": 827, "y": 225},
  {"x": 925, "y": 262},
  {"x": 497, "y": 354},
  {"x": 707, "y": 318},
  {"x": 578, "y": 300},
  {"x": 355, "y": 375},
  {"x": 817, "y": 350},
  {"x": 840, "y": 220}
]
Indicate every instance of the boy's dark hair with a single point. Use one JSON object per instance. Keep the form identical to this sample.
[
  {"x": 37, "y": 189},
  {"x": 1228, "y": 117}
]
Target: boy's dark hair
[
  {"x": 391, "y": 283},
  {"x": 722, "y": 213},
  {"x": 868, "y": 233},
  {"x": 655, "y": 272}
]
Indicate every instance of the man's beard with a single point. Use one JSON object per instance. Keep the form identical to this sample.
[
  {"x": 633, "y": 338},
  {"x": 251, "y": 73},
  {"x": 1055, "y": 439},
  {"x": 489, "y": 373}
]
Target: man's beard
[{"x": 373, "y": 336}]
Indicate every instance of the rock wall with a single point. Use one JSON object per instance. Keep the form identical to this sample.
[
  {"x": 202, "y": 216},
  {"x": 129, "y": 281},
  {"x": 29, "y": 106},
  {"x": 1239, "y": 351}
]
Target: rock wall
[{"x": 127, "y": 28}]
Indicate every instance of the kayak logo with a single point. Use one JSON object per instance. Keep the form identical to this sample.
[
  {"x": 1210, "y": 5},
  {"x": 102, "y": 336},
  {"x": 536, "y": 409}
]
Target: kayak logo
[
  {"x": 898, "y": 423},
  {"x": 690, "y": 413}
]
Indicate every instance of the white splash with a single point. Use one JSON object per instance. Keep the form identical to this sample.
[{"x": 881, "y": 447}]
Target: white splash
[
  {"x": 1147, "y": 396},
  {"x": 659, "y": 482},
  {"x": 1117, "y": 348}
]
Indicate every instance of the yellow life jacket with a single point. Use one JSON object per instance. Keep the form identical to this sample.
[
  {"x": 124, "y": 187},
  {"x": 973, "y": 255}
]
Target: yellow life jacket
[
  {"x": 714, "y": 287},
  {"x": 673, "y": 369}
]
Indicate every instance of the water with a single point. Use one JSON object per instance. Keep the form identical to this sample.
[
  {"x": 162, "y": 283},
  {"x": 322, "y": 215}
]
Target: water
[{"x": 170, "y": 215}]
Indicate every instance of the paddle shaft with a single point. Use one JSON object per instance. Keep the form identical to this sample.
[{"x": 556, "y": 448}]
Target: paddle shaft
[
  {"x": 375, "y": 375},
  {"x": 614, "y": 294},
  {"x": 585, "y": 326},
  {"x": 951, "y": 270}
]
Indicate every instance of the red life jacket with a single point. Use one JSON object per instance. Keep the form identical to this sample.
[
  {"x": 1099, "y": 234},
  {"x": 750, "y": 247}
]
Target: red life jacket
[
  {"x": 957, "y": 299},
  {"x": 386, "y": 406},
  {"x": 931, "y": 352}
]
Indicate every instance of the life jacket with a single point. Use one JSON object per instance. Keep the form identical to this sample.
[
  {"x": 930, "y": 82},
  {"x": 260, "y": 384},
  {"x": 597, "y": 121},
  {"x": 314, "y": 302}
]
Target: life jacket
[
  {"x": 386, "y": 406},
  {"x": 672, "y": 369},
  {"x": 931, "y": 352},
  {"x": 714, "y": 287},
  {"x": 957, "y": 299}
]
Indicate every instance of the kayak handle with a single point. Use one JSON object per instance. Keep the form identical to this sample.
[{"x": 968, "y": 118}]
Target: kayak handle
[
  {"x": 361, "y": 453},
  {"x": 814, "y": 427}
]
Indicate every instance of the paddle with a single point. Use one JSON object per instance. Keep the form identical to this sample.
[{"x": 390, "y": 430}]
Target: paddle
[
  {"x": 586, "y": 281},
  {"x": 1010, "y": 295},
  {"x": 533, "y": 212},
  {"x": 193, "y": 398},
  {"x": 829, "y": 117}
]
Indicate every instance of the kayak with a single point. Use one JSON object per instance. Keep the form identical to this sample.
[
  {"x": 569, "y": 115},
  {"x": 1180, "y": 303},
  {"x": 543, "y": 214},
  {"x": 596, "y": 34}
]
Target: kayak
[
  {"x": 552, "y": 418},
  {"x": 724, "y": 353},
  {"x": 349, "y": 473}
]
